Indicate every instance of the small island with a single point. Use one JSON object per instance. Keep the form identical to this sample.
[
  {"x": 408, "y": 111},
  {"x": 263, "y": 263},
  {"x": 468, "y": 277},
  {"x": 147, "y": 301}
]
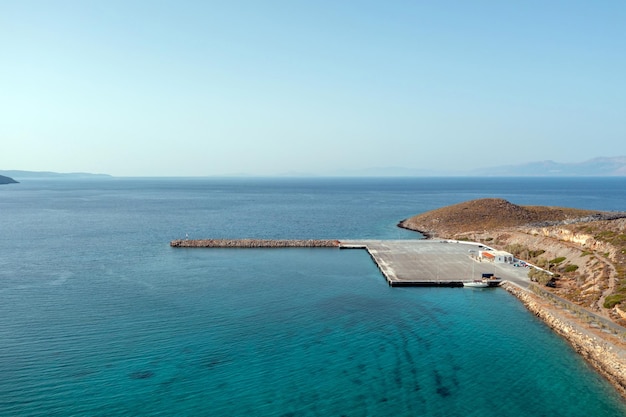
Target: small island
[
  {"x": 7, "y": 180},
  {"x": 37, "y": 175}
]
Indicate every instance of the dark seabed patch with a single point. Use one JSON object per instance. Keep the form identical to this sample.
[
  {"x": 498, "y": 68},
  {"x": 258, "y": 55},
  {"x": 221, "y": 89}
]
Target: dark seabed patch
[
  {"x": 214, "y": 361},
  {"x": 141, "y": 375},
  {"x": 442, "y": 390}
]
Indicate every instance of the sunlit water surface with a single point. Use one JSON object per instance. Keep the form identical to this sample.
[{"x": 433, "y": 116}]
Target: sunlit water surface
[{"x": 100, "y": 317}]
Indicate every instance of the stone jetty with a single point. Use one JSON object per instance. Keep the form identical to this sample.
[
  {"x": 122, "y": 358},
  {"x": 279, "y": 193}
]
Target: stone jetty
[{"x": 254, "y": 243}]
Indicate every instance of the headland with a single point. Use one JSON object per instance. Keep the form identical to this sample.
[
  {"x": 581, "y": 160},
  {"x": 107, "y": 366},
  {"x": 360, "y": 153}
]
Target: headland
[
  {"x": 582, "y": 256},
  {"x": 583, "y": 252}
]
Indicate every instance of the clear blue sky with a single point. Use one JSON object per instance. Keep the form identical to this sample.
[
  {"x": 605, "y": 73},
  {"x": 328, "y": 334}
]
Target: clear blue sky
[{"x": 186, "y": 88}]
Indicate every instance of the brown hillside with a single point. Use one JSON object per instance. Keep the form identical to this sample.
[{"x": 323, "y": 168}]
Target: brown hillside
[{"x": 486, "y": 214}]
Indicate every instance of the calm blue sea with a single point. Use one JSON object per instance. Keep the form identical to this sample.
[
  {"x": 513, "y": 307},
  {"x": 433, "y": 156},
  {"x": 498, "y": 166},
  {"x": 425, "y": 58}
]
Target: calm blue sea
[{"x": 100, "y": 317}]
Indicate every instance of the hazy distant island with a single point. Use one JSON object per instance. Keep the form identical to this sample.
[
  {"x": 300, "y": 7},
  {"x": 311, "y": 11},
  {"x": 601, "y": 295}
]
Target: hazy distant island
[
  {"x": 51, "y": 175},
  {"x": 7, "y": 180},
  {"x": 581, "y": 253},
  {"x": 596, "y": 167}
]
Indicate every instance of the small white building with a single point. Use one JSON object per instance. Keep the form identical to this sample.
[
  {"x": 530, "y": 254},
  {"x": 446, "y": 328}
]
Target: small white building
[{"x": 497, "y": 256}]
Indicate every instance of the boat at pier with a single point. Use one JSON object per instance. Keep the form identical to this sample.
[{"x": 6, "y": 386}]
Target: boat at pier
[
  {"x": 477, "y": 283},
  {"x": 482, "y": 283}
]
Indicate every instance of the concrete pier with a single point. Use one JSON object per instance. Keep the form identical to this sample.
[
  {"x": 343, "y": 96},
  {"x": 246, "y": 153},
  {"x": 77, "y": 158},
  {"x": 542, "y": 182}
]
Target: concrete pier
[
  {"x": 414, "y": 263},
  {"x": 425, "y": 263}
]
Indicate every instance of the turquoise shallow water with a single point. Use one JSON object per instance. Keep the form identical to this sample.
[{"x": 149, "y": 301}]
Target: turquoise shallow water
[{"x": 99, "y": 316}]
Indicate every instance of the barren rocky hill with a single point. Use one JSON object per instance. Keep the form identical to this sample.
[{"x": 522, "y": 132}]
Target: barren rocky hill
[{"x": 488, "y": 214}]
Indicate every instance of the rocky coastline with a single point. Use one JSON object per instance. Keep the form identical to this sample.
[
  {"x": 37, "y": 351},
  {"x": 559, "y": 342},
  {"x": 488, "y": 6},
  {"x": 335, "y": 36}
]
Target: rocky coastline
[
  {"x": 607, "y": 356},
  {"x": 593, "y": 247},
  {"x": 403, "y": 224}
]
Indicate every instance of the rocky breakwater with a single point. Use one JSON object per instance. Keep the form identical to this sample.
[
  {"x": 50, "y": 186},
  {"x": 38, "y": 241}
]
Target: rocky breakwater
[
  {"x": 254, "y": 243},
  {"x": 607, "y": 356}
]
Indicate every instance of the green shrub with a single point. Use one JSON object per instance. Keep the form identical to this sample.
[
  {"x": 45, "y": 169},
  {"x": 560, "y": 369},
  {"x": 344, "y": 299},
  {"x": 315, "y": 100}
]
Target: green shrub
[
  {"x": 539, "y": 276},
  {"x": 558, "y": 260},
  {"x": 535, "y": 253},
  {"x": 571, "y": 268},
  {"x": 516, "y": 249},
  {"x": 611, "y": 300},
  {"x": 605, "y": 235}
]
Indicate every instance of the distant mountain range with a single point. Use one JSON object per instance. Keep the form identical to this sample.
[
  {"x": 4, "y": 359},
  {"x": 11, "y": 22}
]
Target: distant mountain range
[{"x": 596, "y": 167}]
